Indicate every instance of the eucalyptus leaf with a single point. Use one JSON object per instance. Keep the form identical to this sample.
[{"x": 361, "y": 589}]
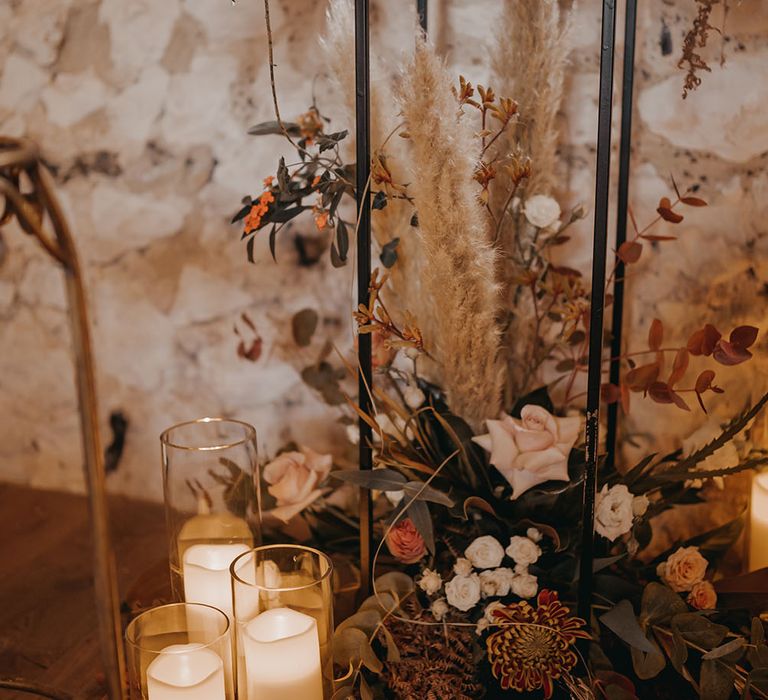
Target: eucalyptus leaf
[
  {"x": 397, "y": 583},
  {"x": 648, "y": 665},
  {"x": 380, "y": 479},
  {"x": 660, "y": 604},
  {"x": 698, "y": 630},
  {"x": 726, "y": 649},
  {"x": 351, "y": 645},
  {"x": 273, "y": 127},
  {"x": 393, "y": 653},
  {"x": 621, "y": 620},
  {"x": 383, "y": 601},
  {"x": 716, "y": 681},
  {"x": 365, "y": 620},
  {"x": 345, "y": 693}
]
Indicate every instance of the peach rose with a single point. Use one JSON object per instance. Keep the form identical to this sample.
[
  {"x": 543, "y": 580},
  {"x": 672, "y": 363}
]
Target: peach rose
[
  {"x": 405, "y": 543},
  {"x": 703, "y": 596},
  {"x": 293, "y": 479},
  {"x": 684, "y": 569},
  {"x": 532, "y": 449}
]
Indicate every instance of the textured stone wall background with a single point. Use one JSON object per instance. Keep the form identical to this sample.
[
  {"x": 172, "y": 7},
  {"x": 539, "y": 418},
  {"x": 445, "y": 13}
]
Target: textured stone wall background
[{"x": 141, "y": 108}]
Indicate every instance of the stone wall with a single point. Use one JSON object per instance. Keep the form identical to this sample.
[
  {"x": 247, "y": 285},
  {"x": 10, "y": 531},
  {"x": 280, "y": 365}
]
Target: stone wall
[{"x": 141, "y": 109}]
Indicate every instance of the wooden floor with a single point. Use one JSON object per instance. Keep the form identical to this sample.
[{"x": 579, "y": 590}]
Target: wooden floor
[{"x": 47, "y": 616}]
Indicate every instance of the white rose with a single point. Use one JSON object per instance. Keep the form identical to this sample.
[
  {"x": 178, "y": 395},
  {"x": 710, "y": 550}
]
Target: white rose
[
  {"x": 463, "y": 592},
  {"x": 485, "y": 552},
  {"x": 523, "y": 551},
  {"x": 521, "y": 568},
  {"x": 496, "y": 582},
  {"x": 640, "y": 505},
  {"x": 430, "y": 582},
  {"x": 525, "y": 585},
  {"x": 534, "y": 534},
  {"x": 481, "y": 626},
  {"x": 414, "y": 397},
  {"x": 613, "y": 511},
  {"x": 488, "y": 612},
  {"x": 462, "y": 567},
  {"x": 439, "y": 609},
  {"x": 394, "y": 497},
  {"x": 541, "y": 211}
]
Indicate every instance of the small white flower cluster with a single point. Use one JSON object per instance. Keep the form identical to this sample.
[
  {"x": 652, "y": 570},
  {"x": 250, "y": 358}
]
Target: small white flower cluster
[
  {"x": 480, "y": 575},
  {"x": 615, "y": 510}
]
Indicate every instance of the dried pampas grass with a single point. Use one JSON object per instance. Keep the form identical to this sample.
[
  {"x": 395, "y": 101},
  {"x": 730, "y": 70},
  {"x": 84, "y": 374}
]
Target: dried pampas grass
[
  {"x": 338, "y": 46},
  {"x": 528, "y": 62},
  {"x": 459, "y": 262}
]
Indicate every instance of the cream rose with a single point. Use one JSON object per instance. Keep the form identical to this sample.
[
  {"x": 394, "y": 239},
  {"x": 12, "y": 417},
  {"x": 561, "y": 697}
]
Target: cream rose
[
  {"x": 703, "y": 596},
  {"x": 541, "y": 211},
  {"x": 485, "y": 552},
  {"x": 463, "y": 592},
  {"x": 532, "y": 449},
  {"x": 525, "y": 585},
  {"x": 523, "y": 551},
  {"x": 462, "y": 567},
  {"x": 534, "y": 534},
  {"x": 430, "y": 582},
  {"x": 439, "y": 609},
  {"x": 613, "y": 511},
  {"x": 495, "y": 582},
  {"x": 489, "y": 609},
  {"x": 684, "y": 569},
  {"x": 294, "y": 479}
]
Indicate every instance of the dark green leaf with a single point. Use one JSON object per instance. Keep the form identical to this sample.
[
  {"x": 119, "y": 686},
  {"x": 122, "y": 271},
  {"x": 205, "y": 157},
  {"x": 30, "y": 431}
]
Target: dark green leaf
[
  {"x": 342, "y": 239},
  {"x": 303, "y": 326},
  {"x": 273, "y": 127},
  {"x": 660, "y": 604},
  {"x": 648, "y": 665},
  {"x": 336, "y": 259},
  {"x": 716, "y": 681},
  {"x": 418, "y": 511},
  {"x": 621, "y": 621},
  {"x": 249, "y": 248},
  {"x": 281, "y": 216},
  {"x": 242, "y": 213},
  {"x": 427, "y": 493},
  {"x": 388, "y": 254},
  {"x": 698, "y": 630},
  {"x": 380, "y": 479},
  {"x": 726, "y": 649},
  {"x": 379, "y": 200}
]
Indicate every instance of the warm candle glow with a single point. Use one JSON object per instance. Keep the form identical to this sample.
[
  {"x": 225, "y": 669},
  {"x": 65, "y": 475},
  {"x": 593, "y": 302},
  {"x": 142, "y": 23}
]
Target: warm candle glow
[
  {"x": 758, "y": 534},
  {"x": 282, "y": 656},
  {"x": 206, "y": 574},
  {"x": 186, "y": 672}
]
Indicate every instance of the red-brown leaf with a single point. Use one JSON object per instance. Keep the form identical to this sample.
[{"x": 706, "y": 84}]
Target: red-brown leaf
[
  {"x": 693, "y": 201},
  {"x": 729, "y": 354},
  {"x": 679, "y": 367},
  {"x": 665, "y": 203},
  {"x": 565, "y": 271},
  {"x": 629, "y": 252},
  {"x": 640, "y": 378},
  {"x": 704, "y": 381},
  {"x": 743, "y": 336},
  {"x": 625, "y": 398},
  {"x": 610, "y": 393},
  {"x": 703, "y": 341},
  {"x": 660, "y": 392},
  {"x": 669, "y": 215},
  {"x": 679, "y": 401},
  {"x": 655, "y": 334}
]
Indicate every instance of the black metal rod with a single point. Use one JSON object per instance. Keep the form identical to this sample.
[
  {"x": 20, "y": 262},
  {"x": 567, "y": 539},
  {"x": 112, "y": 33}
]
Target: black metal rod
[
  {"x": 422, "y": 7},
  {"x": 625, "y": 154},
  {"x": 363, "y": 170},
  {"x": 597, "y": 303}
]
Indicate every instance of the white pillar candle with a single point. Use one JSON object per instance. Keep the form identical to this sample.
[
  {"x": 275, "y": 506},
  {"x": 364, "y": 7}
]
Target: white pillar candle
[
  {"x": 282, "y": 656},
  {"x": 186, "y": 672},
  {"x": 758, "y": 533},
  {"x": 206, "y": 574}
]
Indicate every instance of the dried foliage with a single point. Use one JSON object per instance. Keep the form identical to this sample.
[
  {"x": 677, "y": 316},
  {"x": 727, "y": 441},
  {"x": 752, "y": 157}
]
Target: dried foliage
[
  {"x": 459, "y": 262},
  {"x": 436, "y": 662},
  {"x": 695, "y": 40}
]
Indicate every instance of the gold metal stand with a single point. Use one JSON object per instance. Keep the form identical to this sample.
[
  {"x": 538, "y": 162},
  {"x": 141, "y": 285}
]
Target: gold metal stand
[{"x": 26, "y": 194}]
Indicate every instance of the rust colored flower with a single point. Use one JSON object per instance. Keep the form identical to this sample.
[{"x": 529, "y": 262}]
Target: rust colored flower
[
  {"x": 405, "y": 543},
  {"x": 310, "y": 125},
  {"x": 532, "y": 647},
  {"x": 268, "y": 181},
  {"x": 258, "y": 211}
]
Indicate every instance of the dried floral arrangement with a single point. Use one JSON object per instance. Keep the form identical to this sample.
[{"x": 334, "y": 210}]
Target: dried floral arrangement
[{"x": 480, "y": 343}]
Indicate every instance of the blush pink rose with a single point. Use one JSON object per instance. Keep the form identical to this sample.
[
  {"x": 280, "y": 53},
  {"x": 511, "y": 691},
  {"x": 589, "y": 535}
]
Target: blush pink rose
[
  {"x": 703, "y": 596},
  {"x": 405, "y": 543},
  {"x": 684, "y": 569},
  {"x": 294, "y": 479},
  {"x": 531, "y": 449}
]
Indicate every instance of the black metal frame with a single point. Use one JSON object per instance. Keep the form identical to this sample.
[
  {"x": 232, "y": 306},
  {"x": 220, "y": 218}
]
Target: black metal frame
[{"x": 599, "y": 260}]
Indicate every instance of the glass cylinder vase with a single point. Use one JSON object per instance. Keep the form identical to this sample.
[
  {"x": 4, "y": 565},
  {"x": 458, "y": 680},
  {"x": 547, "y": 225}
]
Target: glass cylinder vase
[
  {"x": 283, "y": 609},
  {"x": 212, "y": 505},
  {"x": 758, "y": 530},
  {"x": 181, "y": 651}
]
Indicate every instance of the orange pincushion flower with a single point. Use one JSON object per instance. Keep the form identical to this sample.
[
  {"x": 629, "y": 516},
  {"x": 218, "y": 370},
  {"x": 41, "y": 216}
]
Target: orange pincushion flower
[
  {"x": 268, "y": 181},
  {"x": 258, "y": 210},
  {"x": 532, "y": 647},
  {"x": 321, "y": 219}
]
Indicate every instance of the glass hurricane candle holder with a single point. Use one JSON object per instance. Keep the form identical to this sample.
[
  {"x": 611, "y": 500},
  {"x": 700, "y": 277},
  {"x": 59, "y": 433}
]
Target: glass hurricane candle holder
[
  {"x": 212, "y": 505},
  {"x": 181, "y": 651},
  {"x": 283, "y": 623},
  {"x": 758, "y": 526}
]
